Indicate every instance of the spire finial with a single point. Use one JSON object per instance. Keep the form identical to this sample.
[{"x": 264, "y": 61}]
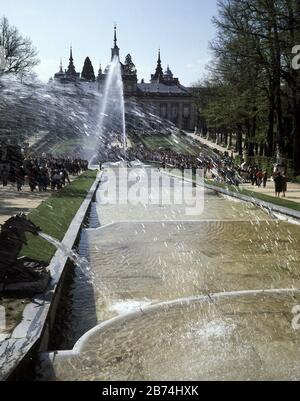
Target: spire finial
[
  {"x": 115, "y": 36},
  {"x": 61, "y": 66}
]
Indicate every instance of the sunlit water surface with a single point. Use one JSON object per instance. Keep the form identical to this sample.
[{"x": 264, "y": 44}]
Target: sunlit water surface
[{"x": 145, "y": 255}]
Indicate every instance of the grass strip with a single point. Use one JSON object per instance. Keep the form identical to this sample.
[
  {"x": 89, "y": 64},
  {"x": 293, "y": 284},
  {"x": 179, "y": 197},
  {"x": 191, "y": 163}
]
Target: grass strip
[{"x": 55, "y": 215}]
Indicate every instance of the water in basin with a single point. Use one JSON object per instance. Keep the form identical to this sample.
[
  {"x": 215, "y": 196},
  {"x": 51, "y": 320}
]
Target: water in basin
[
  {"x": 232, "y": 338},
  {"x": 148, "y": 254}
]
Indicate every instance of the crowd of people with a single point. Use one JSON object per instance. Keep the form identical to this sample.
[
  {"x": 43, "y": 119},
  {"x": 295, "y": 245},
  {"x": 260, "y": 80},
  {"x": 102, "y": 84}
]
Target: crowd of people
[
  {"x": 46, "y": 172},
  {"x": 43, "y": 173},
  {"x": 254, "y": 175},
  {"x": 219, "y": 167},
  {"x": 259, "y": 178}
]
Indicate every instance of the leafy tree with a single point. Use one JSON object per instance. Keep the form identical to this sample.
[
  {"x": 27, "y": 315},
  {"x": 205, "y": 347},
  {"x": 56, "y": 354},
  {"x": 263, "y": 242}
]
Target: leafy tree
[
  {"x": 256, "y": 92},
  {"x": 88, "y": 72}
]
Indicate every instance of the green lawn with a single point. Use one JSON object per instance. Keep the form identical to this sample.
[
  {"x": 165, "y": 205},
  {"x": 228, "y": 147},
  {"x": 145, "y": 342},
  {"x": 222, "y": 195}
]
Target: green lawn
[
  {"x": 67, "y": 146},
  {"x": 57, "y": 146},
  {"x": 64, "y": 147},
  {"x": 176, "y": 143},
  {"x": 55, "y": 215}
]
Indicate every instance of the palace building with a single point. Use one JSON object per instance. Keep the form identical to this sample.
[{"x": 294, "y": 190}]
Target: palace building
[{"x": 164, "y": 93}]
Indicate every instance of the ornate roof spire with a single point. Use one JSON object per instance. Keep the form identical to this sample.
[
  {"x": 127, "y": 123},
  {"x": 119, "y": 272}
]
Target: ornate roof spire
[
  {"x": 100, "y": 73},
  {"x": 159, "y": 71},
  {"x": 115, "y": 37},
  {"x": 61, "y": 66},
  {"x": 71, "y": 69},
  {"x": 168, "y": 73},
  {"x": 71, "y": 54},
  {"x": 115, "y": 52}
]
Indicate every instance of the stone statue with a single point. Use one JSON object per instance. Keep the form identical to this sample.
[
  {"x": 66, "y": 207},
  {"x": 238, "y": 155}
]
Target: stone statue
[
  {"x": 279, "y": 166},
  {"x": 19, "y": 275}
]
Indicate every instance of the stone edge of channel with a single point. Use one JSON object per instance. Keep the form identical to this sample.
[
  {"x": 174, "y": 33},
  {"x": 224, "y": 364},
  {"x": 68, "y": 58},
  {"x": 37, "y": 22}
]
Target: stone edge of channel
[{"x": 270, "y": 206}]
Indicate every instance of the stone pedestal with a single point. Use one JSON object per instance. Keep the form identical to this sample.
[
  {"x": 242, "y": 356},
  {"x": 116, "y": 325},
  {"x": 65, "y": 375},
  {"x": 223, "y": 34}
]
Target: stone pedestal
[{"x": 25, "y": 279}]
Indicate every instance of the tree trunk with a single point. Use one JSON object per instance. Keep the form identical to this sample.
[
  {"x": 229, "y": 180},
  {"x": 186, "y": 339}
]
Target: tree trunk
[
  {"x": 270, "y": 134},
  {"x": 252, "y": 133},
  {"x": 239, "y": 142}
]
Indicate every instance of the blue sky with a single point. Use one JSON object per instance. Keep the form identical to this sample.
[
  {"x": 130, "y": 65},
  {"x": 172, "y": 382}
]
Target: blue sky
[{"x": 182, "y": 29}]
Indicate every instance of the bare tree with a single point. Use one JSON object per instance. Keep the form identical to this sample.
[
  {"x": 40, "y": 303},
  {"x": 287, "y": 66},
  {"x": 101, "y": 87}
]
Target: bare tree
[{"x": 20, "y": 54}]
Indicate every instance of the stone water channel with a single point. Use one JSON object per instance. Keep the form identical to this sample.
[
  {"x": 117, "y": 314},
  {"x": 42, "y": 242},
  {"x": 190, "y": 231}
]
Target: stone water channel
[{"x": 177, "y": 297}]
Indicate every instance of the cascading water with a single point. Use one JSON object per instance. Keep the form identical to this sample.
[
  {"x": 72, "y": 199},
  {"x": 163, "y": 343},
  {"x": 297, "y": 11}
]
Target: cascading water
[
  {"x": 30, "y": 108},
  {"x": 81, "y": 262},
  {"x": 112, "y": 117}
]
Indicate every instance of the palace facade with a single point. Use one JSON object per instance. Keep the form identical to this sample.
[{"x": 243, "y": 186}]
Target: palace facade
[{"x": 164, "y": 93}]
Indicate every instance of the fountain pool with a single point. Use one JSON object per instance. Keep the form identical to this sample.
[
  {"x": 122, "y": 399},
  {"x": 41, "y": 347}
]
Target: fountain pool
[
  {"x": 228, "y": 337},
  {"x": 178, "y": 299}
]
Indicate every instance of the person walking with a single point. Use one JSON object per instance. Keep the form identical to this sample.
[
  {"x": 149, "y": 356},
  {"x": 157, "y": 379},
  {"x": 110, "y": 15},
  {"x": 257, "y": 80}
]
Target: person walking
[
  {"x": 265, "y": 179},
  {"x": 278, "y": 184},
  {"x": 45, "y": 179},
  {"x": 32, "y": 179},
  {"x": 20, "y": 178},
  {"x": 53, "y": 180},
  {"x": 252, "y": 177},
  {"x": 39, "y": 180},
  {"x": 66, "y": 177},
  {"x": 284, "y": 185},
  {"x": 259, "y": 178},
  {"x": 5, "y": 175}
]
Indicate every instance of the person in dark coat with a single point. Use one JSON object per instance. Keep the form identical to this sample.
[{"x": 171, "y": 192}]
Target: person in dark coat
[
  {"x": 32, "y": 181},
  {"x": 284, "y": 184},
  {"x": 265, "y": 179},
  {"x": 278, "y": 184},
  {"x": 20, "y": 178}
]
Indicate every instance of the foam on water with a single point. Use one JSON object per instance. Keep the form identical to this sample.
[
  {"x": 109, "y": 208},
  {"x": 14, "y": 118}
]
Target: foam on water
[
  {"x": 124, "y": 307},
  {"x": 214, "y": 329}
]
